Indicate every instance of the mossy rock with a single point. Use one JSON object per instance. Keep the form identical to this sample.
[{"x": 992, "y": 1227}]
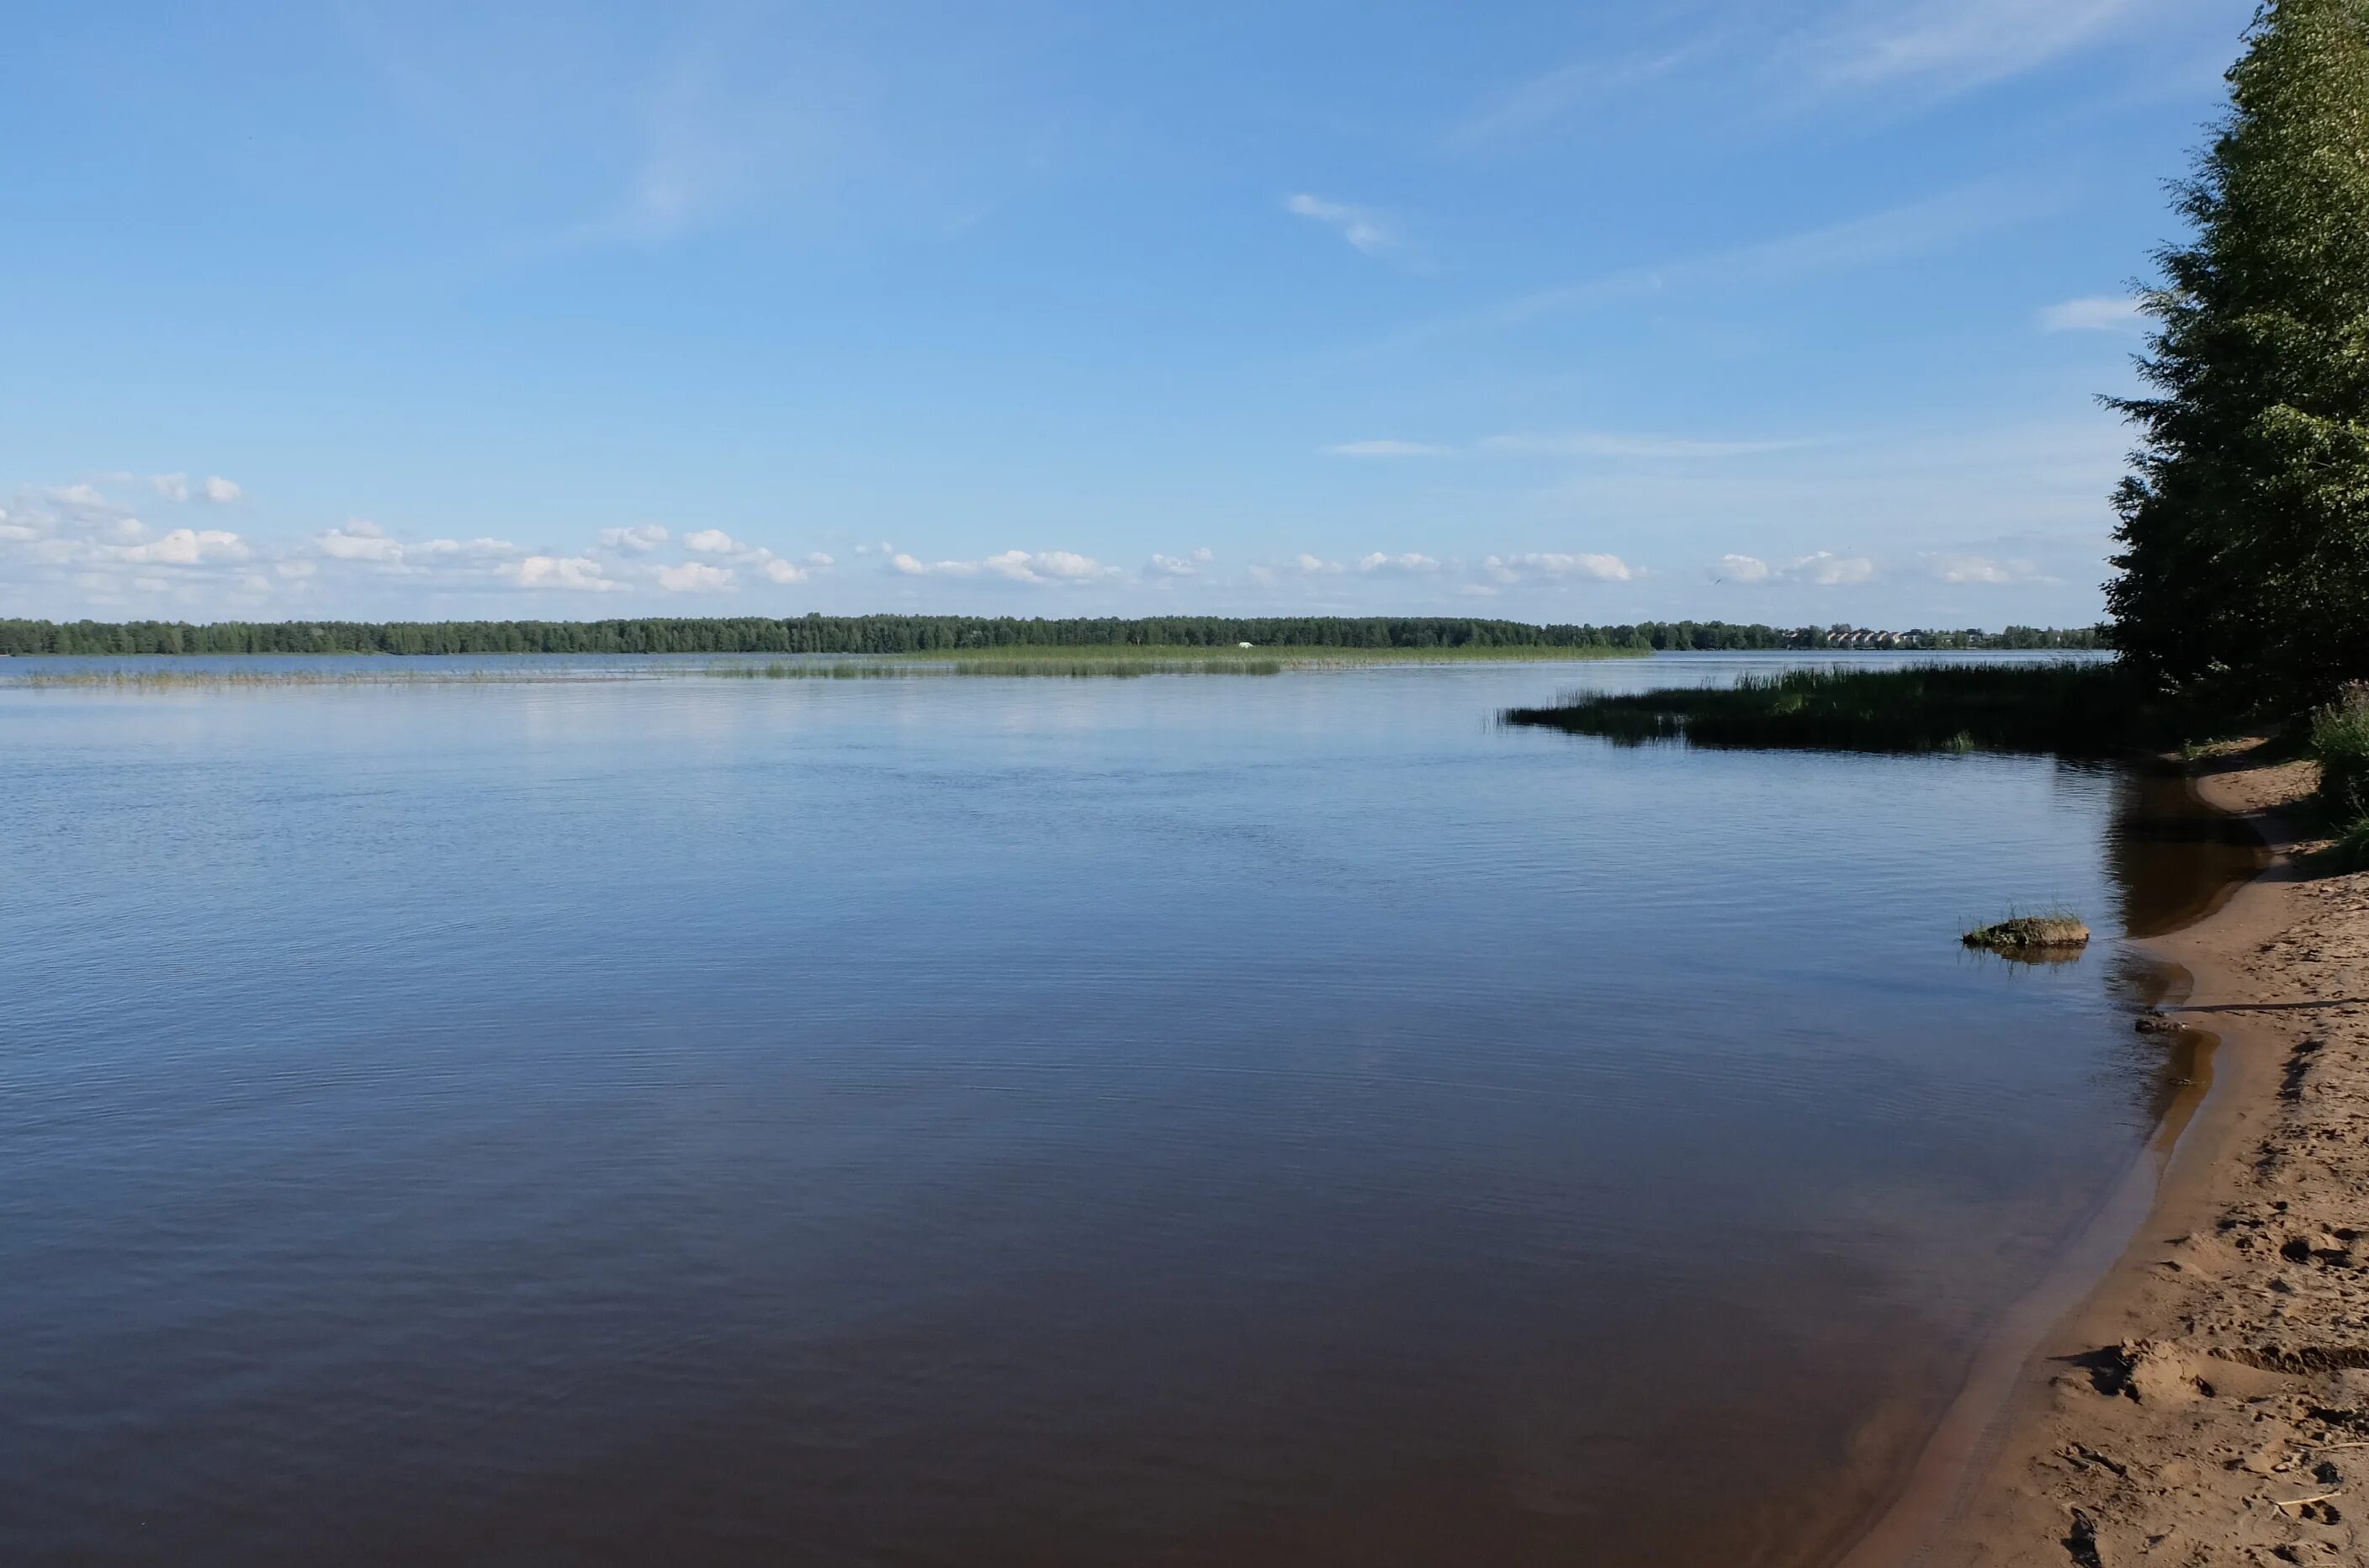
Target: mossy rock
[{"x": 2028, "y": 933}]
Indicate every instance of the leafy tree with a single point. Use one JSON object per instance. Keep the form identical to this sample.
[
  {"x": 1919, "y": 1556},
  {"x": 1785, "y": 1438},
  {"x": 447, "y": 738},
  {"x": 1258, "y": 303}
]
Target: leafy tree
[{"x": 2245, "y": 524}]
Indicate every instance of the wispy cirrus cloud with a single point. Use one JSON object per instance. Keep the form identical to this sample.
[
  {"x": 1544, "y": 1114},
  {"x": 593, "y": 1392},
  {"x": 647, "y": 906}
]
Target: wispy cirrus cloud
[
  {"x": 2095, "y": 312},
  {"x": 1365, "y": 229},
  {"x": 1539, "y": 103},
  {"x": 1951, "y": 46},
  {"x": 1895, "y": 234}
]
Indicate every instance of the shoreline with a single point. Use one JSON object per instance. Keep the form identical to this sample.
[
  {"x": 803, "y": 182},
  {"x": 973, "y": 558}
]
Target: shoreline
[{"x": 2123, "y": 1410}]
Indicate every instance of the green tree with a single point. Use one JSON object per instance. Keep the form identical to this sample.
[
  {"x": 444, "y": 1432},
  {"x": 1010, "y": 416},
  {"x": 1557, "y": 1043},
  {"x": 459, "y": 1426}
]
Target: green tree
[{"x": 2245, "y": 524}]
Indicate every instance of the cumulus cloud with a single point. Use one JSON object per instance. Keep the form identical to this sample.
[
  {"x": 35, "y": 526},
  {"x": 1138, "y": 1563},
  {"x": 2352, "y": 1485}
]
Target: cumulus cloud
[
  {"x": 1189, "y": 565},
  {"x": 1827, "y": 569},
  {"x": 2095, "y": 312},
  {"x": 694, "y": 577},
  {"x": 641, "y": 539},
  {"x": 1983, "y": 570},
  {"x": 1365, "y": 230},
  {"x": 73, "y": 539},
  {"x": 359, "y": 540},
  {"x": 184, "y": 548},
  {"x": 81, "y": 499},
  {"x": 1822, "y": 568},
  {"x": 1041, "y": 566},
  {"x": 1409, "y": 561},
  {"x": 778, "y": 570},
  {"x": 1557, "y": 567},
  {"x": 579, "y": 573}
]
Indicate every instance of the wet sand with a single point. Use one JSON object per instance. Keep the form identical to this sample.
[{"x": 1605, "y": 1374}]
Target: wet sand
[{"x": 2207, "y": 1401}]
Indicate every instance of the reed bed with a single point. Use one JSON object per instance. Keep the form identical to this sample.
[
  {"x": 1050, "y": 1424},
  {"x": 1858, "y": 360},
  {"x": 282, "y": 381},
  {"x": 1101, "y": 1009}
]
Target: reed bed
[
  {"x": 206, "y": 680},
  {"x": 1090, "y": 661},
  {"x": 1264, "y": 658},
  {"x": 2073, "y": 708}
]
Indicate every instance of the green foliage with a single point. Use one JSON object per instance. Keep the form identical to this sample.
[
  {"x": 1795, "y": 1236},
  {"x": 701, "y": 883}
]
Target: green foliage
[
  {"x": 2352, "y": 849},
  {"x": 936, "y": 634},
  {"x": 2245, "y": 525},
  {"x": 2339, "y": 744},
  {"x": 2075, "y": 709}
]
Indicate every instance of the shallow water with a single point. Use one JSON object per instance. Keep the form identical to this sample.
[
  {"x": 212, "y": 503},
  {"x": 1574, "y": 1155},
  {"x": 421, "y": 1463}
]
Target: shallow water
[{"x": 1174, "y": 1120}]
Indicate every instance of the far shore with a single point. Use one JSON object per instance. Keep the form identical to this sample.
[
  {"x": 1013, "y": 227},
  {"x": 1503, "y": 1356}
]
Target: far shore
[{"x": 2203, "y": 1396}]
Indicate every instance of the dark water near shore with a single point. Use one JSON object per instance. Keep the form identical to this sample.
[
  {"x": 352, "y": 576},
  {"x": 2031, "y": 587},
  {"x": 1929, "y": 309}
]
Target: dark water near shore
[{"x": 1178, "y": 1121}]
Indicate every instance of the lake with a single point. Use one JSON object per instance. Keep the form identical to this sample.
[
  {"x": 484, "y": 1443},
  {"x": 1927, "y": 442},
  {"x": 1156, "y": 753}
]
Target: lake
[{"x": 954, "y": 1121}]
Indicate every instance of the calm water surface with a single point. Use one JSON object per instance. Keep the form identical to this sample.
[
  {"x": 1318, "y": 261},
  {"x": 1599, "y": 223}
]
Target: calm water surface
[{"x": 1181, "y": 1120}]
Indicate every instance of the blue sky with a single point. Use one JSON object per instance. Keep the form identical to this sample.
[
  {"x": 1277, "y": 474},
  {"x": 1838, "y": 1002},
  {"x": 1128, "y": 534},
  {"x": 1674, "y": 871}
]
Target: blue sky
[{"x": 1773, "y": 310}]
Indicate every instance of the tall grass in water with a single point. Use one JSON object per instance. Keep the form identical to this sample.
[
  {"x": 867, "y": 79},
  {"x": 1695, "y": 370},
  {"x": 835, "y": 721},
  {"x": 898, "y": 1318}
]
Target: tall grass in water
[
  {"x": 199, "y": 679},
  {"x": 842, "y": 668},
  {"x": 2070, "y": 707},
  {"x": 2339, "y": 744},
  {"x": 1124, "y": 658}
]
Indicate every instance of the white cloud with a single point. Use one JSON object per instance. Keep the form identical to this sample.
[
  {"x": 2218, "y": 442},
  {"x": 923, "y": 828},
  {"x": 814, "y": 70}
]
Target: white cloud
[
  {"x": 360, "y": 540},
  {"x": 694, "y": 577},
  {"x": 1558, "y": 567},
  {"x": 1822, "y": 568},
  {"x": 574, "y": 572},
  {"x": 1389, "y": 449},
  {"x": 1827, "y": 569},
  {"x": 1409, "y": 561},
  {"x": 220, "y": 490},
  {"x": 1181, "y": 566},
  {"x": 184, "y": 548},
  {"x": 468, "y": 548},
  {"x": 78, "y": 497},
  {"x": 172, "y": 487},
  {"x": 641, "y": 538},
  {"x": 1952, "y": 45},
  {"x": 2094, "y": 313},
  {"x": 1041, "y": 566},
  {"x": 1539, "y": 103},
  {"x": 1365, "y": 230},
  {"x": 1893, "y": 235},
  {"x": 711, "y": 541},
  {"x": 1313, "y": 565},
  {"x": 1983, "y": 570},
  {"x": 779, "y": 570}
]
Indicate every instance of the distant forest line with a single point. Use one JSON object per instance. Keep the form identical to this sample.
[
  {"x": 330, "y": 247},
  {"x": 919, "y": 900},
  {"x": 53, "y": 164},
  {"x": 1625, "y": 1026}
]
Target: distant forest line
[{"x": 924, "y": 634}]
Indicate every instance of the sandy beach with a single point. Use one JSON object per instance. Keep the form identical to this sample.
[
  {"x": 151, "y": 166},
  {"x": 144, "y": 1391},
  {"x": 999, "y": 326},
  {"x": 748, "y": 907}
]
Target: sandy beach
[{"x": 2207, "y": 1401}]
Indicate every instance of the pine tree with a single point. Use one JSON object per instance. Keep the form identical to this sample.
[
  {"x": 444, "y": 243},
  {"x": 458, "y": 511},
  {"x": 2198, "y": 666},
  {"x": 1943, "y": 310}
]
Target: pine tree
[{"x": 2245, "y": 525}]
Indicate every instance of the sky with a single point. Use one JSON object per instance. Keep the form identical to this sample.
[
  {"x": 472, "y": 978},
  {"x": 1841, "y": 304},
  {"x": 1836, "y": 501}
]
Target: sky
[{"x": 1789, "y": 310}]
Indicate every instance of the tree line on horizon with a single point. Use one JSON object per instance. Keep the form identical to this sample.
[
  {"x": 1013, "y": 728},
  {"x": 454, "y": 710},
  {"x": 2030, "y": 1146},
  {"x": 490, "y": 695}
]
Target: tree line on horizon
[{"x": 931, "y": 634}]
